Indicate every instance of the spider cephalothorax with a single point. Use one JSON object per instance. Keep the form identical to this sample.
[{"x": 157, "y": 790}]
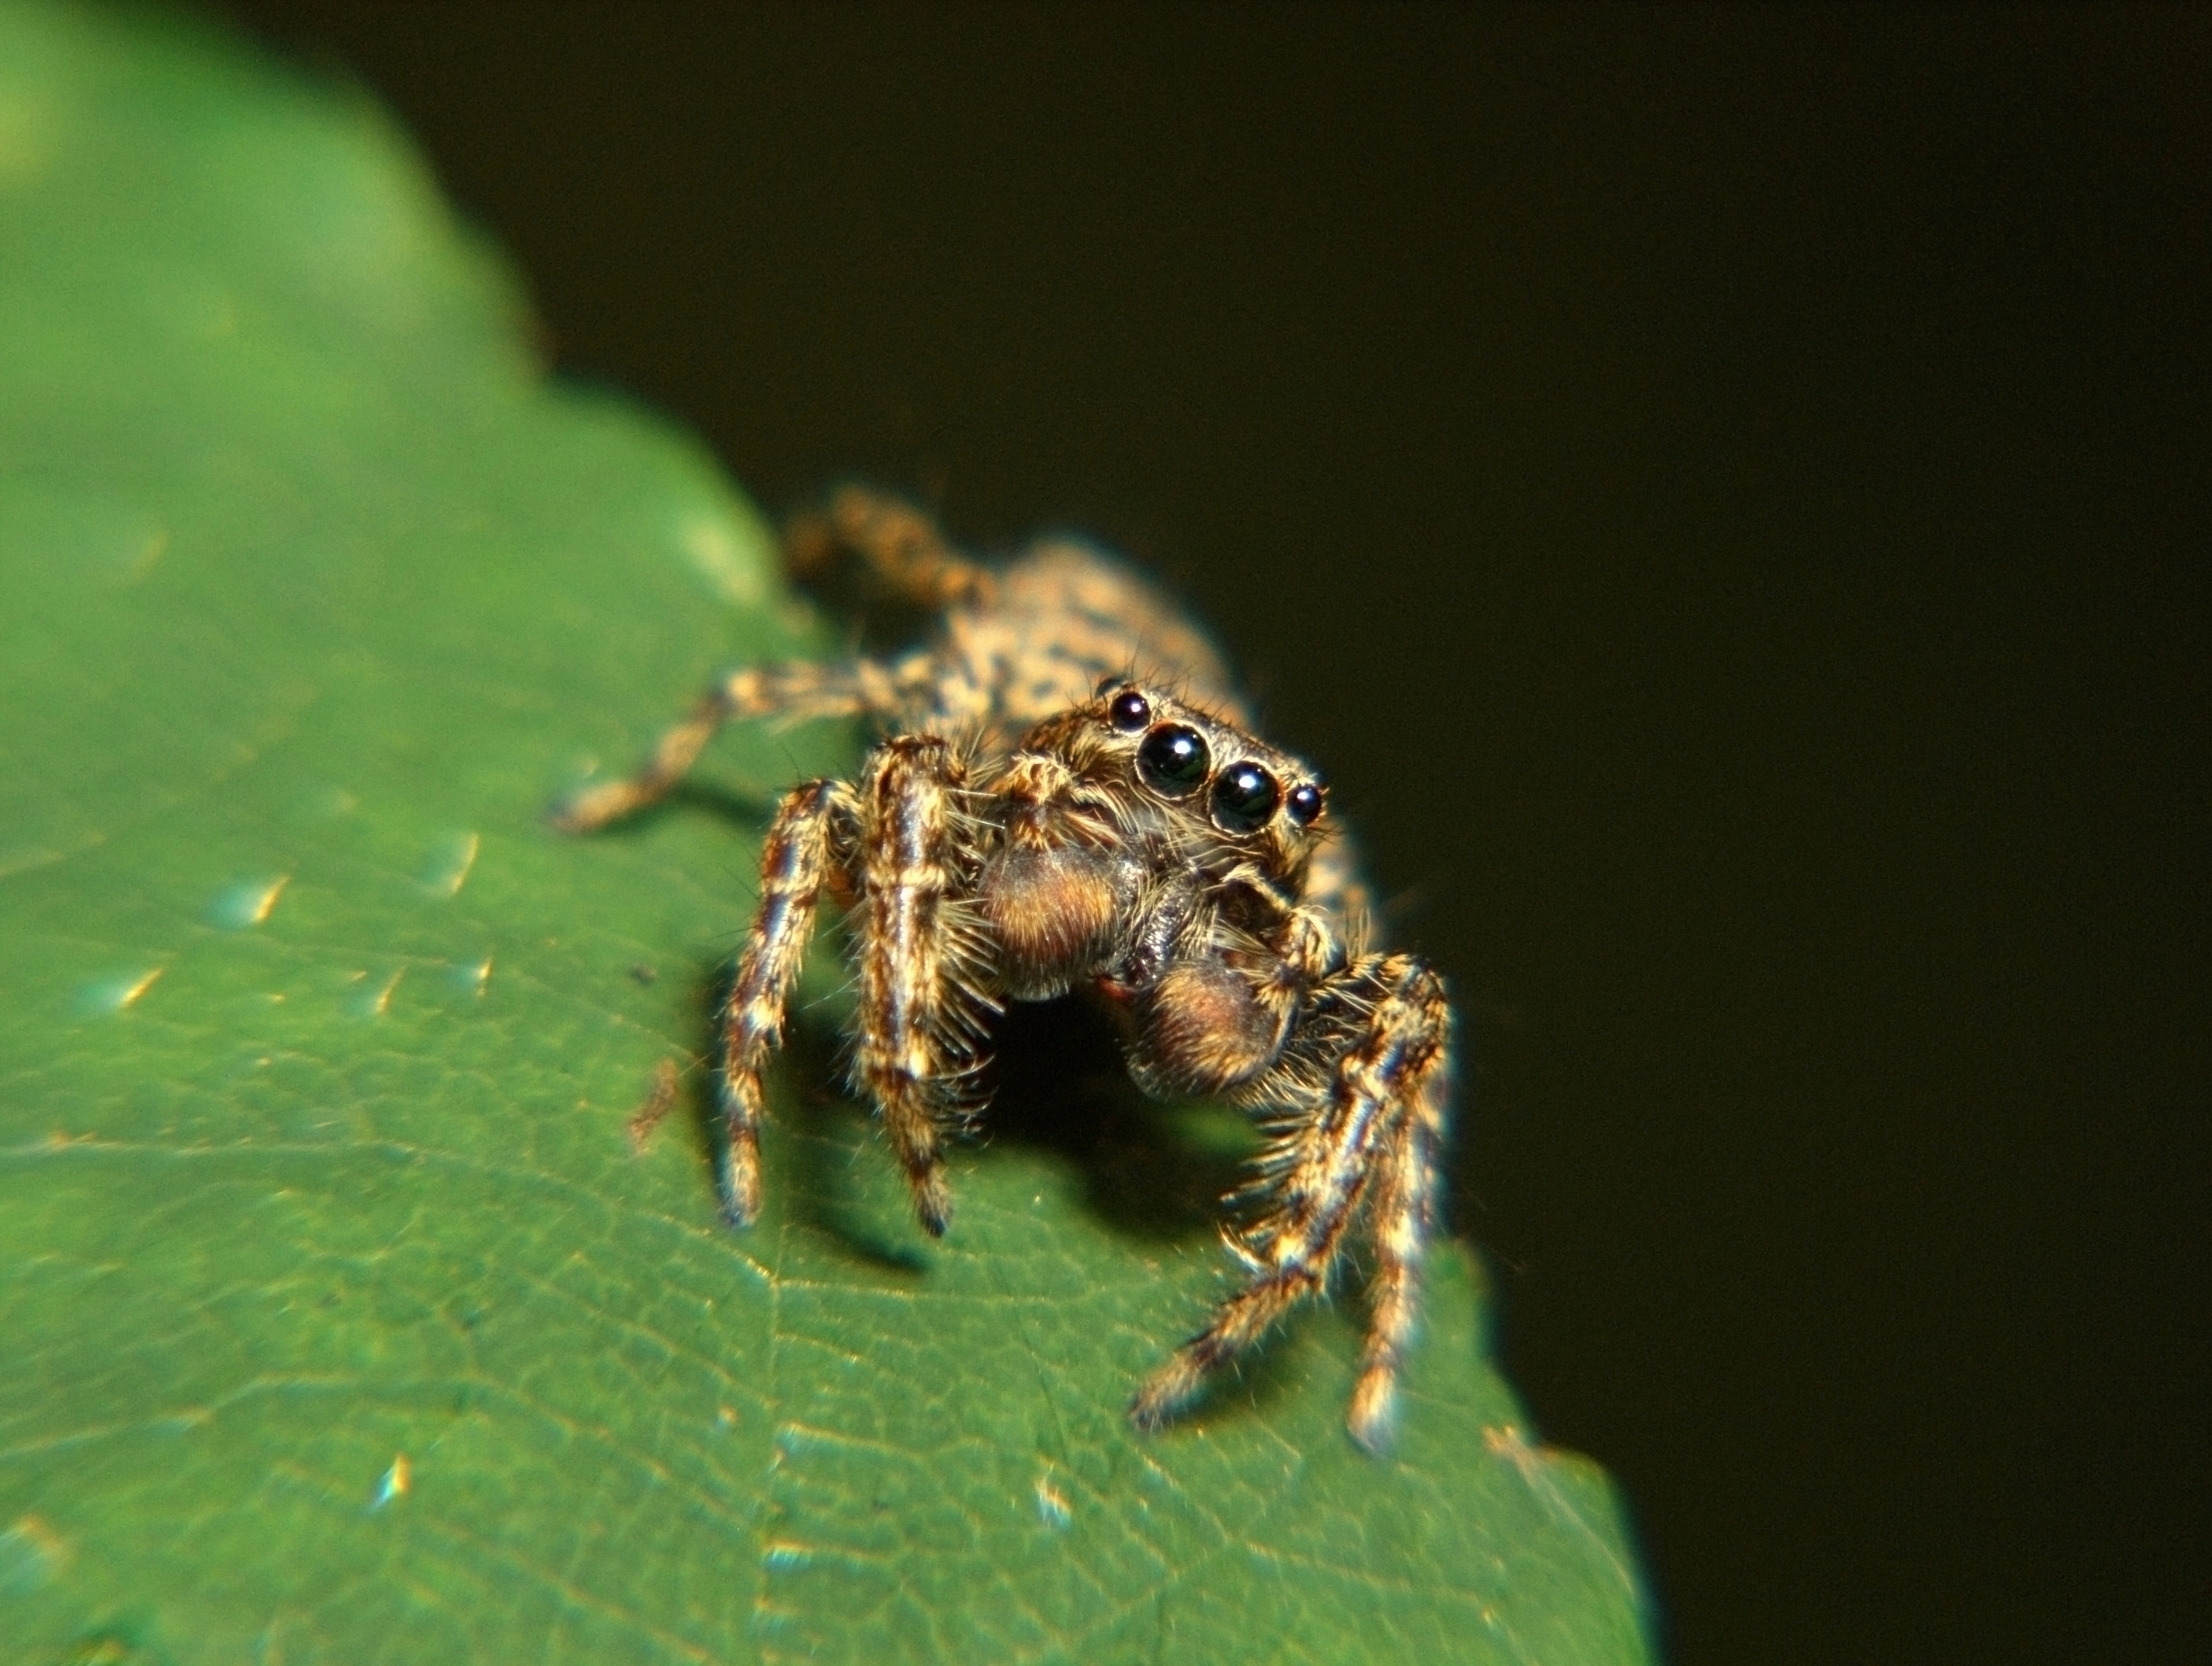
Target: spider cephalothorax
[{"x": 1067, "y": 794}]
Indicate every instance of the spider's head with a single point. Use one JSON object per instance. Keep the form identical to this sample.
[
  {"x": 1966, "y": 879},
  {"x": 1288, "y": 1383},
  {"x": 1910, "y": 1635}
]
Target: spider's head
[{"x": 1198, "y": 764}]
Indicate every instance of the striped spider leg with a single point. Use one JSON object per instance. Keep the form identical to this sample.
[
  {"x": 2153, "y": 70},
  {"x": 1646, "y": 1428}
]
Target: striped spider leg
[
  {"x": 1355, "y": 1106},
  {"x": 887, "y": 843}
]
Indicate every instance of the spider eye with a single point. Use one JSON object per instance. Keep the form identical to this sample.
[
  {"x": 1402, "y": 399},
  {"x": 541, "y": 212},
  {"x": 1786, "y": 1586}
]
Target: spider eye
[
  {"x": 1173, "y": 761},
  {"x": 1129, "y": 712},
  {"x": 1306, "y": 804},
  {"x": 1244, "y": 797}
]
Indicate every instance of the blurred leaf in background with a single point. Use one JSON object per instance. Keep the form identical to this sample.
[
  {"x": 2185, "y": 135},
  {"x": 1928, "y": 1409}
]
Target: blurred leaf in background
[{"x": 338, "y": 1320}]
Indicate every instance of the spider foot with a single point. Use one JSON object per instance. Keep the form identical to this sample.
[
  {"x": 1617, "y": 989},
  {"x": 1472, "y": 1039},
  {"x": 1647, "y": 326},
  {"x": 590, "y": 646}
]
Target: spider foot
[
  {"x": 1373, "y": 1418},
  {"x": 1167, "y": 1392},
  {"x": 736, "y": 1178}
]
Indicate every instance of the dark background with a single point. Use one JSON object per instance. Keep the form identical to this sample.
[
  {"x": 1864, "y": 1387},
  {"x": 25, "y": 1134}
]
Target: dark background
[{"x": 1724, "y": 495}]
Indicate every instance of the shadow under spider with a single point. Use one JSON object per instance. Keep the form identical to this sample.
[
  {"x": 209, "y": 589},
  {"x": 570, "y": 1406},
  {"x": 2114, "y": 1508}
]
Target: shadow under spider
[
  {"x": 1056, "y": 1082},
  {"x": 749, "y": 807}
]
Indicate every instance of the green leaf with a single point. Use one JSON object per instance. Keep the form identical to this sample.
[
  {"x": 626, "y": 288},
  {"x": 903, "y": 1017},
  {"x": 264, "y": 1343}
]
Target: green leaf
[{"x": 341, "y": 1322}]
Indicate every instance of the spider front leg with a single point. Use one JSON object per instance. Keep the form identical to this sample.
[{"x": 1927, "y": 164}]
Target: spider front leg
[
  {"x": 923, "y": 957},
  {"x": 1374, "y": 1122},
  {"x": 798, "y": 858},
  {"x": 1404, "y": 1213}
]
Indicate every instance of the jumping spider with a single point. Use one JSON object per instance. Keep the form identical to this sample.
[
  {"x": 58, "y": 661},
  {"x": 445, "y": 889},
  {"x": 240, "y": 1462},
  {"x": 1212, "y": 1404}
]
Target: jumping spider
[{"x": 1067, "y": 794}]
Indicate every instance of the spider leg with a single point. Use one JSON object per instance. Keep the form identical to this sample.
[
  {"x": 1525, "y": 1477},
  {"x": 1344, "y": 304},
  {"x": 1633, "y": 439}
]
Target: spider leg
[
  {"x": 921, "y": 1003},
  {"x": 794, "y": 691},
  {"x": 1404, "y": 1211},
  {"x": 899, "y": 545},
  {"x": 798, "y": 858},
  {"x": 1370, "y": 1118}
]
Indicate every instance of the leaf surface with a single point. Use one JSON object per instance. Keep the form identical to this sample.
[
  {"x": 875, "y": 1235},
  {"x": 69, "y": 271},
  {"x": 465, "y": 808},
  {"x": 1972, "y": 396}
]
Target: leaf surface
[{"x": 341, "y": 1322}]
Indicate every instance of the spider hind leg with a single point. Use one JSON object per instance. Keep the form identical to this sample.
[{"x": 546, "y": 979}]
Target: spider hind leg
[{"x": 898, "y": 546}]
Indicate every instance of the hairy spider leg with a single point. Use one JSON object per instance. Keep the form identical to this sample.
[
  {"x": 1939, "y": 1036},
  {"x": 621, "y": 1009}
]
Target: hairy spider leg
[
  {"x": 1312, "y": 959},
  {"x": 922, "y": 959},
  {"x": 898, "y": 545},
  {"x": 795, "y": 691},
  {"x": 1318, "y": 1176},
  {"x": 798, "y": 858},
  {"x": 1404, "y": 1213},
  {"x": 903, "y": 549}
]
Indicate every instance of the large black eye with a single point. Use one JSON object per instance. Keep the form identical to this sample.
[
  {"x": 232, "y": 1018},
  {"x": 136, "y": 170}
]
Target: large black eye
[
  {"x": 1129, "y": 712},
  {"x": 1174, "y": 761},
  {"x": 1306, "y": 804},
  {"x": 1244, "y": 796}
]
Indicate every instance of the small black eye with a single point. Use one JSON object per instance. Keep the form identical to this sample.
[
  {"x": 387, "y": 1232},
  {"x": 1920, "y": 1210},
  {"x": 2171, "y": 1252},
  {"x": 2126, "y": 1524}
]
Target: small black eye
[
  {"x": 1244, "y": 796},
  {"x": 1306, "y": 804},
  {"x": 1130, "y": 711},
  {"x": 1174, "y": 761}
]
